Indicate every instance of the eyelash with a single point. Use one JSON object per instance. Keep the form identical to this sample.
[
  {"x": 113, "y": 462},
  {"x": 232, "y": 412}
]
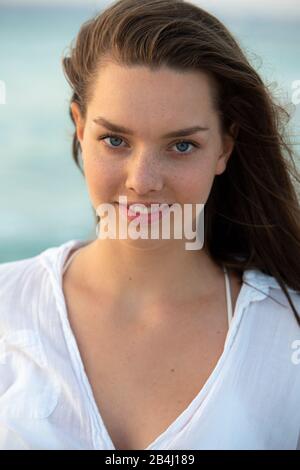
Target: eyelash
[{"x": 118, "y": 137}]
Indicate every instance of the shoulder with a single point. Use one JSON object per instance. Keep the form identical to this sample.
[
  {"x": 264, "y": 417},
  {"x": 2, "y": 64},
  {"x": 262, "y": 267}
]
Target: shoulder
[
  {"x": 19, "y": 270},
  {"x": 25, "y": 272},
  {"x": 28, "y": 335},
  {"x": 269, "y": 319},
  {"x": 267, "y": 349},
  {"x": 266, "y": 287},
  {"x": 22, "y": 283},
  {"x": 16, "y": 276}
]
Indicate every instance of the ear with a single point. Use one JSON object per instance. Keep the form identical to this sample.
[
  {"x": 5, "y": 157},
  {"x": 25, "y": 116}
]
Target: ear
[
  {"x": 78, "y": 121},
  {"x": 228, "y": 146}
]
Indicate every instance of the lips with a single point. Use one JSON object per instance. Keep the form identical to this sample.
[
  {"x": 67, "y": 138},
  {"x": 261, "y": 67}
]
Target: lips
[
  {"x": 143, "y": 208},
  {"x": 144, "y": 204},
  {"x": 151, "y": 214}
]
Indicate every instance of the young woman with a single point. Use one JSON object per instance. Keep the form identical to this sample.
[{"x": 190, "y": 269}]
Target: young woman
[{"x": 143, "y": 344}]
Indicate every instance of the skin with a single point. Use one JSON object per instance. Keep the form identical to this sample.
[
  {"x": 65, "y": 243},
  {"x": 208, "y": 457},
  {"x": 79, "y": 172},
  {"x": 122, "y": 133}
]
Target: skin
[{"x": 144, "y": 167}]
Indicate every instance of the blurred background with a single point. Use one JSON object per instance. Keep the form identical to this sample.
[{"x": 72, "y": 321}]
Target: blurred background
[{"x": 43, "y": 197}]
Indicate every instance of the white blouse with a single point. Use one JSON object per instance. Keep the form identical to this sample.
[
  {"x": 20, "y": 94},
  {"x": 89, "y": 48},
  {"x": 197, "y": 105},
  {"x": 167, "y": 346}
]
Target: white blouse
[{"x": 250, "y": 401}]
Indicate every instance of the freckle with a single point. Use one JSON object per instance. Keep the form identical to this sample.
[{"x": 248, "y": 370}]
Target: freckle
[{"x": 172, "y": 370}]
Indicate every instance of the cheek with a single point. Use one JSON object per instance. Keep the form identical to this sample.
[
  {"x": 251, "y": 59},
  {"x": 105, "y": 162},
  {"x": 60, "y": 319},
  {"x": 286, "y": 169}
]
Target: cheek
[
  {"x": 196, "y": 184},
  {"x": 102, "y": 178}
]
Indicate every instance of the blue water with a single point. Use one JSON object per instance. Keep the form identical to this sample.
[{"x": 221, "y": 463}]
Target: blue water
[{"x": 43, "y": 197}]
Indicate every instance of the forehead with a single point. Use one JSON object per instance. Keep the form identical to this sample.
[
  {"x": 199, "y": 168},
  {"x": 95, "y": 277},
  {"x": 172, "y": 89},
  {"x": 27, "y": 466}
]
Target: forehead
[{"x": 140, "y": 88}]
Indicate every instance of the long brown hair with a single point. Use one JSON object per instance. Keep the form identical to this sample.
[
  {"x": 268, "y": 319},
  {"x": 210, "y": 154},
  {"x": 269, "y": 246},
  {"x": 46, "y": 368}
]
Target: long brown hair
[{"x": 252, "y": 216}]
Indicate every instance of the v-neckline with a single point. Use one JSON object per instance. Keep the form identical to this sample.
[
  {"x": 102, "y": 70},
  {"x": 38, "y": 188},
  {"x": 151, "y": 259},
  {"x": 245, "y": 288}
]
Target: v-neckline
[{"x": 187, "y": 414}]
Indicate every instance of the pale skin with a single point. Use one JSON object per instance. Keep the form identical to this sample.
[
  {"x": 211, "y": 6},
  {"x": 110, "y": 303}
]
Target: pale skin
[
  {"x": 133, "y": 305},
  {"x": 148, "y": 168}
]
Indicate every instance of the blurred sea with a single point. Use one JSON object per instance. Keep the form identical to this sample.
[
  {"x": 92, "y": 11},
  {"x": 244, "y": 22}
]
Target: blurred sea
[{"x": 43, "y": 197}]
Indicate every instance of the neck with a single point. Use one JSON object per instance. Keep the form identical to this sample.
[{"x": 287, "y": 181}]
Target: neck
[{"x": 156, "y": 274}]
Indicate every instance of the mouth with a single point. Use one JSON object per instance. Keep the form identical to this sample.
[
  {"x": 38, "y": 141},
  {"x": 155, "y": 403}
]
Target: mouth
[
  {"x": 143, "y": 207},
  {"x": 146, "y": 213}
]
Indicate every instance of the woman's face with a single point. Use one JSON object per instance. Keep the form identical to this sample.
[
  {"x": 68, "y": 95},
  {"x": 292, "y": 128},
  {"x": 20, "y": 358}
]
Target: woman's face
[{"x": 141, "y": 161}]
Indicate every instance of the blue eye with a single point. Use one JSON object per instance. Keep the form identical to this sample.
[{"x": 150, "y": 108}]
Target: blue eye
[
  {"x": 184, "y": 143},
  {"x": 117, "y": 138},
  {"x": 110, "y": 136}
]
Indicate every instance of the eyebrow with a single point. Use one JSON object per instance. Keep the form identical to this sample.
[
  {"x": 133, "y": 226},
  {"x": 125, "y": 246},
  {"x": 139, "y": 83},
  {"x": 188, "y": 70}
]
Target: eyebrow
[{"x": 179, "y": 133}]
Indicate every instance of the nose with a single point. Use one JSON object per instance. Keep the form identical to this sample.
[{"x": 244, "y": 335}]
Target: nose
[{"x": 144, "y": 173}]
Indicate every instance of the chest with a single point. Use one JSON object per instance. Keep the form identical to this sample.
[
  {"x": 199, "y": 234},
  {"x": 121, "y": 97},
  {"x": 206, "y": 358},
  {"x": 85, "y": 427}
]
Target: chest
[{"x": 144, "y": 376}]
